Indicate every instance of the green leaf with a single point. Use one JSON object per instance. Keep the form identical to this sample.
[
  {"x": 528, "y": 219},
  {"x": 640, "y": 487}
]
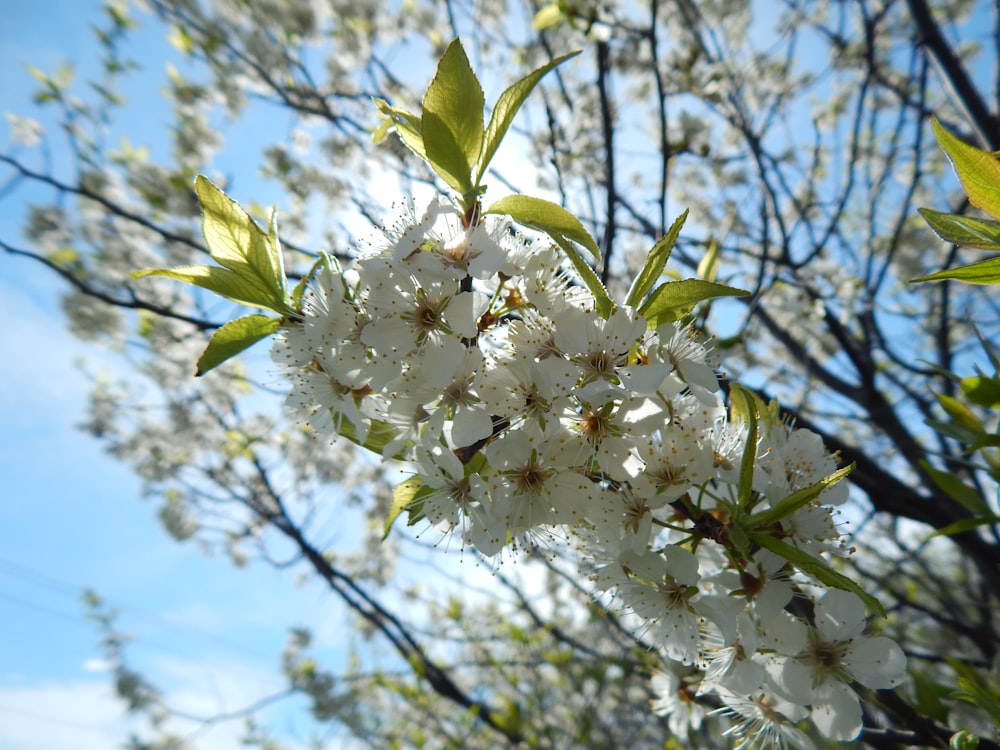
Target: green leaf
[
  {"x": 953, "y": 431},
  {"x": 708, "y": 266},
  {"x": 956, "y": 489},
  {"x": 674, "y": 299},
  {"x": 404, "y": 495},
  {"x": 545, "y": 216},
  {"x": 507, "y": 105},
  {"x": 986, "y": 440},
  {"x": 236, "y": 242},
  {"x": 982, "y": 390},
  {"x": 222, "y": 281},
  {"x": 963, "y": 230},
  {"x": 379, "y": 435},
  {"x": 966, "y": 524},
  {"x": 233, "y": 338},
  {"x": 323, "y": 261},
  {"x": 983, "y": 272},
  {"x": 963, "y": 740},
  {"x": 274, "y": 254},
  {"x": 978, "y": 170},
  {"x": 602, "y": 301},
  {"x": 548, "y": 15},
  {"x": 817, "y": 568},
  {"x": 786, "y": 506},
  {"x": 406, "y": 124},
  {"x": 744, "y": 404},
  {"x": 961, "y": 415},
  {"x": 657, "y": 258},
  {"x": 930, "y": 695},
  {"x": 452, "y": 119}
]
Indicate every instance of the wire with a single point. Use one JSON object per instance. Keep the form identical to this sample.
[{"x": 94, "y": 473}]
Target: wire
[{"x": 42, "y": 580}]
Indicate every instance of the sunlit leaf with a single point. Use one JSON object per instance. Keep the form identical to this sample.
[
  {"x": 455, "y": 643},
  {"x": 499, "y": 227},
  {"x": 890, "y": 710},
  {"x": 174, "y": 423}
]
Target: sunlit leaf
[
  {"x": 817, "y": 568},
  {"x": 961, "y": 415},
  {"x": 744, "y": 405},
  {"x": 236, "y": 242},
  {"x": 787, "y": 506},
  {"x": 674, "y": 299},
  {"x": 708, "y": 266},
  {"x": 233, "y": 338},
  {"x": 507, "y": 105},
  {"x": 983, "y": 272},
  {"x": 222, "y": 281},
  {"x": 380, "y": 434},
  {"x": 602, "y": 301},
  {"x": 549, "y": 15},
  {"x": 406, "y": 124},
  {"x": 656, "y": 260},
  {"x": 982, "y": 390},
  {"x": 452, "y": 119},
  {"x": 545, "y": 216},
  {"x": 963, "y": 230},
  {"x": 404, "y": 494},
  {"x": 978, "y": 170}
]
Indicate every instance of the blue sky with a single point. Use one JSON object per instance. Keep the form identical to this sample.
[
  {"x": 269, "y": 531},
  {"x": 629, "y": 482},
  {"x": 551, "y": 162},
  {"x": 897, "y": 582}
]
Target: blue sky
[{"x": 70, "y": 516}]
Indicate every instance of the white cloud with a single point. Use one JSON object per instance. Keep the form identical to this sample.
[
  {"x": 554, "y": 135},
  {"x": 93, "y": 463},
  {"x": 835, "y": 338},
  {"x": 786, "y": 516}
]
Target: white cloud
[
  {"x": 86, "y": 715},
  {"x": 82, "y": 715}
]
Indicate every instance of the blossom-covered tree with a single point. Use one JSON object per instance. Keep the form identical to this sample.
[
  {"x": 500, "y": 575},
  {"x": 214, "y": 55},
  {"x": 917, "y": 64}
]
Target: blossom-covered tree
[{"x": 707, "y": 549}]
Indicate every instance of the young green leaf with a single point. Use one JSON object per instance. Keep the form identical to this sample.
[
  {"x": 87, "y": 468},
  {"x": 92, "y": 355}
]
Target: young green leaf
[
  {"x": 986, "y": 440},
  {"x": 708, "y": 266},
  {"x": 958, "y": 490},
  {"x": 963, "y": 230},
  {"x": 452, "y": 120},
  {"x": 983, "y": 272},
  {"x": 406, "y": 124},
  {"x": 786, "y": 506},
  {"x": 548, "y": 15},
  {"x": 982, "y": 390},
  {"x": 547, "y": 217},
  {"x": 236, "y": 242},
  {"x": 656, "y": 260},
  {"x": 744, "y": 404},
  {"x": 817, "y": 568},
  {"x": 404, "y": 495},
  {"x": 602, "y": 301},
  {"x": 966, "y": 524},
  {"x": 233, "y": 338},
  {"x": 380, "y": 434},
  {"x": 222, "y": 281},
  {"x": 954, "y": 431},
  {"x": 229, "y": 230},
  {"x": 961, "y": 415},
  {"x": 674, "y": 299},
  {"x": 507, "y": 105},
  {"x": 978, "y": 170}
]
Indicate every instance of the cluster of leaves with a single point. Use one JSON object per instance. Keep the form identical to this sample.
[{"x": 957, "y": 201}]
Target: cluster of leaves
[
  {"x": 449, "y": 135},
  {"x": 979, "y": 172}
]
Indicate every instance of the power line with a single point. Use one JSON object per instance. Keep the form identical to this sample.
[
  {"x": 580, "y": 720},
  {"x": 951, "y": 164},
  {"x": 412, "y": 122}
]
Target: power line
[{"x": 42, "y": 580}]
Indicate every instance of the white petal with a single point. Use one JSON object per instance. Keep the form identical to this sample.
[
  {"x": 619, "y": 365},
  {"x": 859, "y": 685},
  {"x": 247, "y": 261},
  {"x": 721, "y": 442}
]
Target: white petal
[
  {"x": 470, "y": 425},
  {"x": 744, "y": 677},
  {"x": 788, "y": 678},
  {"x": 876, "y": 662},
  {"x": 681, "y": 564},
  {"x": 836, "y": 711},
  {"x": 840, "y": 615},
  {"x": 463, "y": 313}
]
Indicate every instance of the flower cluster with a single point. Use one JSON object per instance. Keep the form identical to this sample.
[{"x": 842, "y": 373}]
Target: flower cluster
[{"x": 528, "y": 419}]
